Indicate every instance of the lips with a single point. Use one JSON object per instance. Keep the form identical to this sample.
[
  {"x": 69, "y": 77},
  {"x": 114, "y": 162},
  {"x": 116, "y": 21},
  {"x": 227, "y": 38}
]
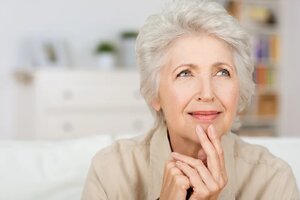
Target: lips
[{"x": 205, "y": 116}]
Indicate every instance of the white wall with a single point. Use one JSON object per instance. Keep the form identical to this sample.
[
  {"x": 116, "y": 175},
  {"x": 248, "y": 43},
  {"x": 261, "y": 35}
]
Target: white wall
[
  {"x": 84, "y": 22},
  {"x": 81, "y": 22},
  {"x": 290, "y": 71}
]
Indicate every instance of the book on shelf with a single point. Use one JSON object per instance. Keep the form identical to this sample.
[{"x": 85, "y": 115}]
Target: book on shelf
[
  {"x": 266, "y": 48},
  {"x": 264, "y": 76},
  {"x": 266, "y": 58}
]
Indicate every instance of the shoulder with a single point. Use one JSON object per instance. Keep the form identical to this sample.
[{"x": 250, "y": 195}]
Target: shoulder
[
  {"x": 124, "y": 154},
  {"x": 122, "y": 149},
  {"x": 125, "y": 162},
  {"x": 256, "y": 155},
  {"x": 257, "y": 169},
  {"x": 120, "y": 168}
]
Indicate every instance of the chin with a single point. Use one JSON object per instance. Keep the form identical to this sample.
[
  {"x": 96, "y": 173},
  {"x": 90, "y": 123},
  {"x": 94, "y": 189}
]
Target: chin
[{"x": 220, "y": 130}]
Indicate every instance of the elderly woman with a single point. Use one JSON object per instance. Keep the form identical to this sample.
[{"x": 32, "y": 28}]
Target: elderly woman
[{"x": 196, "y": 76}]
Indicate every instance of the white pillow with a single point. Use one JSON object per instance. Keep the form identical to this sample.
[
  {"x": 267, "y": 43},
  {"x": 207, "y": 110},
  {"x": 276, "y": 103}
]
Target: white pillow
[{"x": 46, "y": 170}]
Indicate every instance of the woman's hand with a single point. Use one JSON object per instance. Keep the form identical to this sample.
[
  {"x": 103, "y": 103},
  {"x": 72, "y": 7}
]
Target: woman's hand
[
  {"x": 184, "y": 172},
  {"x": 207, "y": 181},
  {"x": 175, "y": 183}
]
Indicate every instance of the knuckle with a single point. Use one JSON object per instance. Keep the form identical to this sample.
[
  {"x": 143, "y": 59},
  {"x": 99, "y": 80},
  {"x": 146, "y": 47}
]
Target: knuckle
[
  {"x": 225, "y": 179},
  {"x": 206, "y": 142},
  {"x": 205, "y": 194},
  {"x": 215, "y": 188},
  {"x": 212, "y": 153},
  {"x": 169, "y": 165},
  {"x": 215, "y": 140},
  {"x": 221, "y": 183},
  {"x": 198, "y": 162},
  {"x": 180, "y": 180},
  {"x": 221, "y": 152},
  {"x": 193, "y": 178},
  {"x": 173, "y": 171},
  {"x": 186, "y": 182},
  {"x": 201, "y": 194}
]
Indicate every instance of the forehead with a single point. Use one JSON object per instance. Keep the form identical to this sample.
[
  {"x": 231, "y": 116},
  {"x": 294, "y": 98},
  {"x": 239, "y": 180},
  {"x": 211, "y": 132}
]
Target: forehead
[{"x": 200, "y": 50}]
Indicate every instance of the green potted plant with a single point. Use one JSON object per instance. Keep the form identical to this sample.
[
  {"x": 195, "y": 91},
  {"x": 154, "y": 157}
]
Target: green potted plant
[{"x": 106, "y": 55}]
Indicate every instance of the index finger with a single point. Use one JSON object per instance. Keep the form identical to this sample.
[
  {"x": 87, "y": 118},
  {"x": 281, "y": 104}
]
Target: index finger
[
  {"x": 216, "y": 141},
  {"x": 213, "y": 160}
]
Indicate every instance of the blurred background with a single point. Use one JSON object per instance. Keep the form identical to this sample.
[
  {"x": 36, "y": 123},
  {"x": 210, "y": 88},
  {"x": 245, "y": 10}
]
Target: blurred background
[{"x": 68, "y": 67}]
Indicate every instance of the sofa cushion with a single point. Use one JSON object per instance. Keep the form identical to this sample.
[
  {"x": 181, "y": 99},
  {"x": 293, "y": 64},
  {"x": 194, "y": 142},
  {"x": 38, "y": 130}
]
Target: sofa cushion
[{"x": 48, "y": 170}]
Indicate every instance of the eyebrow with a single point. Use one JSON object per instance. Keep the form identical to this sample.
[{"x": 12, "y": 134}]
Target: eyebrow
[
  {"x": 223, "y": 63},
  {"x": 195, "y": 66}
]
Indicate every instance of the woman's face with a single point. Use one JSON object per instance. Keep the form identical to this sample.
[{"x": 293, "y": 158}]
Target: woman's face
[{"x": 198, "y": 85}]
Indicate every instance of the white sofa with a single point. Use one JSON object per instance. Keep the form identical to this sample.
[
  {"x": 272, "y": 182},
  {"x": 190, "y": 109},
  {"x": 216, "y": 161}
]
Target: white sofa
[{"x": 56, "y": 170}]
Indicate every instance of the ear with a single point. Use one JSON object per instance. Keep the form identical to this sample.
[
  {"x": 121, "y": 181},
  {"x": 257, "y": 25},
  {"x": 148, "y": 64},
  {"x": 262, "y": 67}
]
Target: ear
[{"x": 156, "y": 104}]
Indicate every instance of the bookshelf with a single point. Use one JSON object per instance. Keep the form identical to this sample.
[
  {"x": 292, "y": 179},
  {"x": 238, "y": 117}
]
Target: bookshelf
[{"x": 262, "y": 20}]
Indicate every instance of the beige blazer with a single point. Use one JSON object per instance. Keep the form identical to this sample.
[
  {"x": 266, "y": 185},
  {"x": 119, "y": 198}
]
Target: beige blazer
[{"x": 133, "y": 169}]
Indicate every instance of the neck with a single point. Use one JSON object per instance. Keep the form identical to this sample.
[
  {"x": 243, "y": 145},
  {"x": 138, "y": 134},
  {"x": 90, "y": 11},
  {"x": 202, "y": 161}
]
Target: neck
[{"x": 184, "y": 146}]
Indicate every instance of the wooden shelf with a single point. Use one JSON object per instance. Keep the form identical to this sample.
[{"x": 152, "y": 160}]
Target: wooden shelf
[{"x": 262, "y": 19}]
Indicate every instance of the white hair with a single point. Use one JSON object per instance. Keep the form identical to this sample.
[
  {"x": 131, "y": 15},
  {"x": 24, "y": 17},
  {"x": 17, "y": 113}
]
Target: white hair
[{"x": 183, "y": 17}]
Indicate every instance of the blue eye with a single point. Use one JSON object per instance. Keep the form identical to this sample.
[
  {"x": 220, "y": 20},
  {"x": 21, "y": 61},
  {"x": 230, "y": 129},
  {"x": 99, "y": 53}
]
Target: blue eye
[
  {"x": 223, "y": 72},
  {"x": 184, "y": 73}
]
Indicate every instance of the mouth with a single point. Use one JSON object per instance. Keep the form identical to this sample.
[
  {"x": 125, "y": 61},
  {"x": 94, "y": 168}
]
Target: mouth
[{"x": 205, "y": 116}]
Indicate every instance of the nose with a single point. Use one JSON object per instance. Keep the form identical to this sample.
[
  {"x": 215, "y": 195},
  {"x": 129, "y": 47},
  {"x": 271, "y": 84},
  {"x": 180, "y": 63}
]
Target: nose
[{"x": 205, "y": 91}]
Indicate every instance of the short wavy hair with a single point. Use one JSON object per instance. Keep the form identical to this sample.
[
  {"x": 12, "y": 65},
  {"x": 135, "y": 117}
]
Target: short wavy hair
[{"x": 183, "y": 17}]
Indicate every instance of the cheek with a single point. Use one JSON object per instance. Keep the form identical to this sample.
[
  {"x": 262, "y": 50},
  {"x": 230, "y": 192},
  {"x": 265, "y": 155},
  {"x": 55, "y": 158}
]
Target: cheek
[
  {"x": 173, "y": 98},
  {"x": 228, "y": 94}
]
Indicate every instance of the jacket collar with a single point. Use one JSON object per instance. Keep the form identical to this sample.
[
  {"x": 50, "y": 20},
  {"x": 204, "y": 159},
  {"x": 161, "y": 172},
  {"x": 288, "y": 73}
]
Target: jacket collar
[{"x": 160, "y": 152}]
